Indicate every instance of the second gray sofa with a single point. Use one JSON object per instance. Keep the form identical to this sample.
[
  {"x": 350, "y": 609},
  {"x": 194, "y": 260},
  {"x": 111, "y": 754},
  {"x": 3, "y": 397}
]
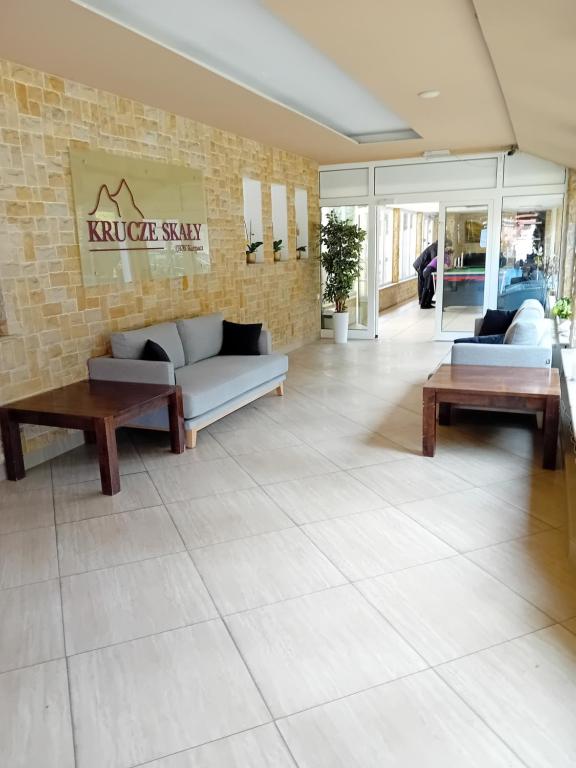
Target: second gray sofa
[{"x": 212, "y": 385}]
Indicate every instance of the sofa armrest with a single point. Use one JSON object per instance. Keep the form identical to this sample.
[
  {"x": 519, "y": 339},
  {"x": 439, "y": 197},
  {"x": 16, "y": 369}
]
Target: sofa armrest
[
  {"x": 265, "y": 342},
  {"x": 136, "y": 371},
  {"x": 513, "y": 355}
]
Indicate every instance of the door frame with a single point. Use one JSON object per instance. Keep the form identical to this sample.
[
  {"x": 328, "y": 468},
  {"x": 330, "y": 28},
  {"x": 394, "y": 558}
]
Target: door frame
[{"x": 371, "y": 330}]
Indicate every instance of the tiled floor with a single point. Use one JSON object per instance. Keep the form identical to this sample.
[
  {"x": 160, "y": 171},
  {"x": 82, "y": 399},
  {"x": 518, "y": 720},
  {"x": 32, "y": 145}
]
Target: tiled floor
[{"x": 302, "y": 590}]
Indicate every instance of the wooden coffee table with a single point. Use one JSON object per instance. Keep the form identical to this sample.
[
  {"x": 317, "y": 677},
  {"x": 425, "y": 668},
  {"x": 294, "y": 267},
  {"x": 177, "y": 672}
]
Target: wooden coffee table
[
  {"x": 98, "y": 408},
  {"x": 535, "y": 389}
]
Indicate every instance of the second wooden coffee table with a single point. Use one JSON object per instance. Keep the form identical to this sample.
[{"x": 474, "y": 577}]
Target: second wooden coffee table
[
  {"x": 98, "y": 408},
  {"x": 534, "y": 389}
]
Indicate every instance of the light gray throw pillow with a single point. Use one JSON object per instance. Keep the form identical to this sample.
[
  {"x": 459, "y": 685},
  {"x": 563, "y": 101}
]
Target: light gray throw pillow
[
  {"x": 524, "y": 333},
  {"x": 130, "y": 344},
  {"x": 201, "y": 336}
]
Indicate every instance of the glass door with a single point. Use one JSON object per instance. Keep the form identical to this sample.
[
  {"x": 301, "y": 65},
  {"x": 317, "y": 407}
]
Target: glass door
[
  {"x": 361, "y": 303},
  {"x": 463, "y": 270}
]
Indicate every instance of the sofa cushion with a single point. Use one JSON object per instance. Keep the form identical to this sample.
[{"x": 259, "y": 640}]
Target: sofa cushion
[
  {"x": 496, "y": 321},
  {"x": 201, "y": 336},
  {"x": 216, "y": 380},
  {"x": 130, "y": 344},
  {"x": 240, "y": 338},
  {"x": 530, "y": 310},
  {"x": 524, "y": 333}
]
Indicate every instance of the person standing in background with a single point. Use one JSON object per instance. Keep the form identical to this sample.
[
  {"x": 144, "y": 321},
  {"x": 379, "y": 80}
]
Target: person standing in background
[{"x": 429, "y": 253}]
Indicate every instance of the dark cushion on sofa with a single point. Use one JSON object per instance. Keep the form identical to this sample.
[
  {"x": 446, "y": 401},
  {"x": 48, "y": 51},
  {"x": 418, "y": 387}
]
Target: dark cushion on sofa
[
  {"x": 496, "y": 321},
  {"x": 153, "y": 351},
  {"x": 493, "y": 338},
  {"x": 240, "y": 338}
]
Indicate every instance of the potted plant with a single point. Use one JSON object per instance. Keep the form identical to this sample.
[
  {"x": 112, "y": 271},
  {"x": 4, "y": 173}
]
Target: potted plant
[
  {"x": 340, "y": 257},
  {"x": 300, "y": 251},
  {"x": 277, "y": 248},
  {"x": 251, "y": 246},
  {"x": 562, "y": 311}
]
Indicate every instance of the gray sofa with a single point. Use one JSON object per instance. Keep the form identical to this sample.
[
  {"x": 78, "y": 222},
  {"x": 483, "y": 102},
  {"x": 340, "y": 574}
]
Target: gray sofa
[
  {"x": 527, "y": 344},
  {"x": 212, "y": 385}
]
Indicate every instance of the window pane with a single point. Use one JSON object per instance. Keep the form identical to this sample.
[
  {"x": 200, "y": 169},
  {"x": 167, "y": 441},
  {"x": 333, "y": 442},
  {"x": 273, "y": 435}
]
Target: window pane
[{"x": 530, "y": 239}]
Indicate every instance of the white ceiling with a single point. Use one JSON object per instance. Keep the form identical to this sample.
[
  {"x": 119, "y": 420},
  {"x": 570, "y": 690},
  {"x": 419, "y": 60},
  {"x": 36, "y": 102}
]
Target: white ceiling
[{"x": 299, "y": 74}]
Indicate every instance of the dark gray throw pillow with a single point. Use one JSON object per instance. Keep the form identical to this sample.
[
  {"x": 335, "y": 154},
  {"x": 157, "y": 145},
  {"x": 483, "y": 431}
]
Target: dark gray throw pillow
[
  {"x": 496, "y": 321},
  {"x": 154, "y": 352},
  {"x": 240, "y": 338},
  {"x": 494, "y": 338}
]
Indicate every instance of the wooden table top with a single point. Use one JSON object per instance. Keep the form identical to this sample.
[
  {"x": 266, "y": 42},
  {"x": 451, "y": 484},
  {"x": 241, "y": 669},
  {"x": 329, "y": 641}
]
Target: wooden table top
[
  {"x": 496, "y": 380},
  {"x": 92, "y": 398}
]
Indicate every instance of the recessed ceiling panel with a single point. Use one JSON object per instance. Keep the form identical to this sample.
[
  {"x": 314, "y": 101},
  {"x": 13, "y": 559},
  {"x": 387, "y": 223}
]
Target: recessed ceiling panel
[{"x": 246, "y": 43}]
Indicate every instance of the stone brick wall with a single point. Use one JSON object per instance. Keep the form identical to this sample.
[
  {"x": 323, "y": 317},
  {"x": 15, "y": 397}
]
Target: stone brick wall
[
  {"x": 50, "y": 324},
  {"x": 397, "y": 293}
]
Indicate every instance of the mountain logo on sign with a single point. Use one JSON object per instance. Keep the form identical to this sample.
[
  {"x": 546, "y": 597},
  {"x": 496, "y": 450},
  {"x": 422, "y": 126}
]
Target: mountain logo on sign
[{"x": 121, "y": 202}]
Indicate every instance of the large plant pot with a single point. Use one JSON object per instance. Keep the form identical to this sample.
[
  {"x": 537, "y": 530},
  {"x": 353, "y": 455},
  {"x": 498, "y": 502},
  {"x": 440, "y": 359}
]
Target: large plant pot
[{"x": 340, "y": 323}]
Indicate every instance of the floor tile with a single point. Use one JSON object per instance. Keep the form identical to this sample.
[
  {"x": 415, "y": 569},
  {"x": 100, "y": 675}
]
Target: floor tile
[
  {"x": 36, "y": 477},
  {"x": 372, "y": 543},
  {"x": 201, "y": 479},
  {"x": 409, "y": 480},
  {"x": 359, "y": 450},
  {"x": 31, "y": 625},
  {"x": 281, "y": 464},
  {"x": 409, "y": 723},
  {"x": 472, "y": 519},
  {"x": 322, "y": 426},
  {"x": 451, "y": 608},
  {"x": 27, "y": 556},
  {"x": 571, "y": 625},
  {"x": 154, "y": 450},
  {"x": 525, "y": 691},
  {"x": 148, "y": 698},
  {"x": 324, "y": 496},
  {"x": 252, "y": 572},
  {"x": 247, "y": 417},
  {"x": 22, "y": 510},
  {"x": 81, "y": 464},
  {"x": 482, "y": 464},
  {"x": 35, "y": 728},
  {"x": 251, "y": 439},
  {"x": 543, "y": 495},
  {"x": 129, "y": 601},
  {"x": 259, "y": 748},
  {"x": 126, "y": 537},
  {"x": 314, "y": 649},
  {"x": 84, "y": 500},
  {"x": 536, "y": 567},
  {"x": 227, "y": 516}
]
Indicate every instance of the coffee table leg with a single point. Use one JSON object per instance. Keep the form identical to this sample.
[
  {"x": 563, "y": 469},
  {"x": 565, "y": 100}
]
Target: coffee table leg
[
  {"x": 444, "y": 414},
  {"x": 176, "y": 417},
  {"x": 107, "y": 455},
  {"x": 12, "y": 448},
  {"x": 429, "y": 422},
  {"x": 551, "y": 424}
]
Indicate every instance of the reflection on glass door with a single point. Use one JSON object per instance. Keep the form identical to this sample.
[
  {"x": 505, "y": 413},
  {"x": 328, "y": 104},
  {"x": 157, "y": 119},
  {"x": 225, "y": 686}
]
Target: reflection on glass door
[
  {"x": 463, "y": 277},
  {"x": 361, "y": 301},
  {"x": 529, "y": 249}
]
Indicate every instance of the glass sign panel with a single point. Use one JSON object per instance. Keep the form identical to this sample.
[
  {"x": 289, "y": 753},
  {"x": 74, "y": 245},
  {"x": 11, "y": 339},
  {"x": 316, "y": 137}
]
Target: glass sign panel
[{"x": 138, "y": 219}]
